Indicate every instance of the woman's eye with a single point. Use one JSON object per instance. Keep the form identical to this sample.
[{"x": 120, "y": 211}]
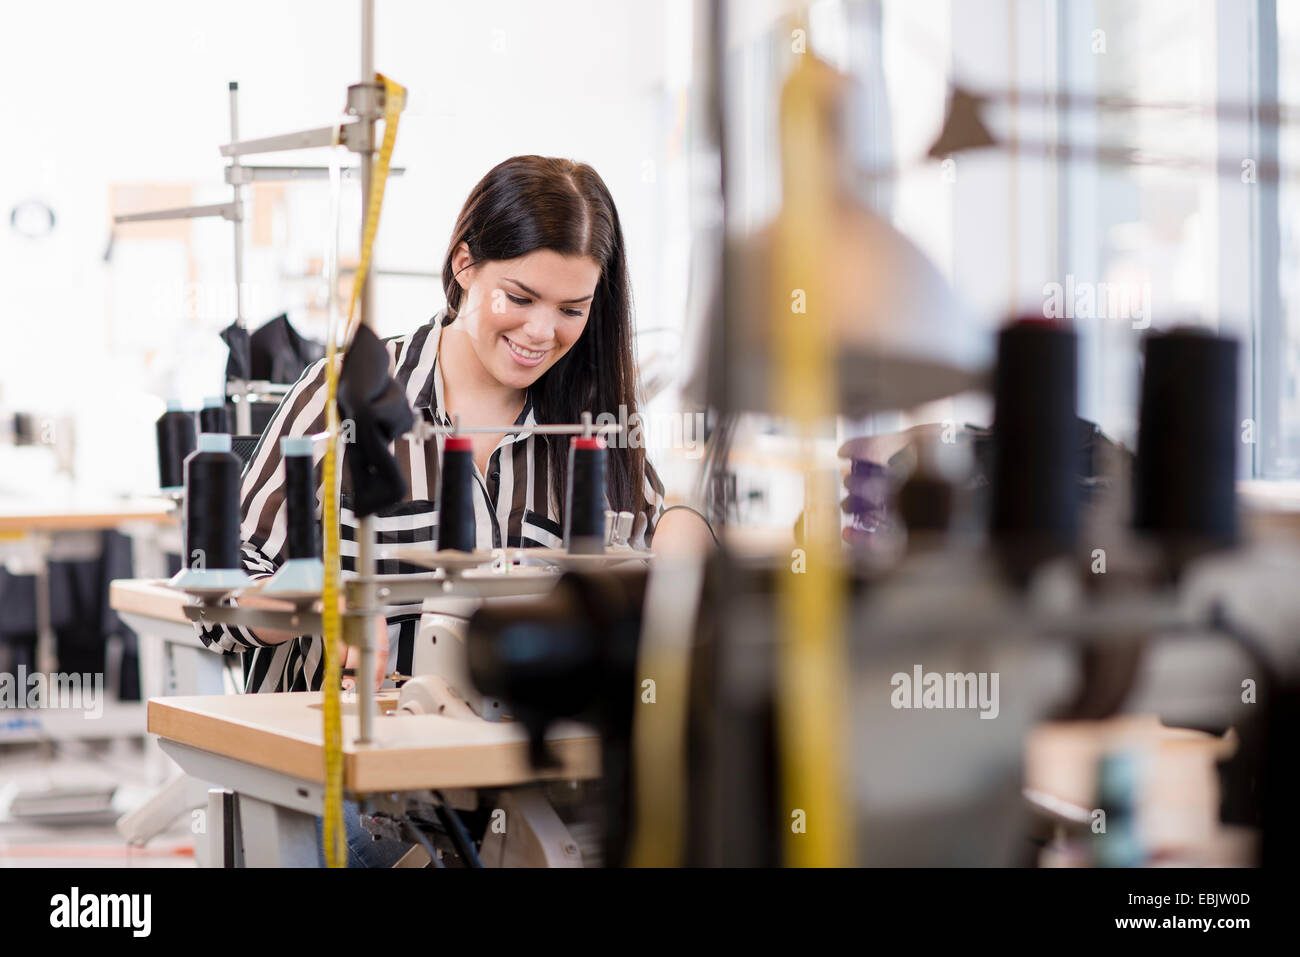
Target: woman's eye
[
  {"x": 575, "y": 313},
  {"x": 517, "y": 300}
]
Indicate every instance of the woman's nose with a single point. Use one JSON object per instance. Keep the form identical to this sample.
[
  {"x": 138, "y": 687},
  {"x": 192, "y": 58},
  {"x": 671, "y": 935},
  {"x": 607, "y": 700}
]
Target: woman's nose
[{"x": 540, "y": 326}]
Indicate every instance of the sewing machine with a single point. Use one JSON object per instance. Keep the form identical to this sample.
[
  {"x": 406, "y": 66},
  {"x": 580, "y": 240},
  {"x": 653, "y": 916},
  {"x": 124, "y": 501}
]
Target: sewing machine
[{"x": 437, "y": 733}]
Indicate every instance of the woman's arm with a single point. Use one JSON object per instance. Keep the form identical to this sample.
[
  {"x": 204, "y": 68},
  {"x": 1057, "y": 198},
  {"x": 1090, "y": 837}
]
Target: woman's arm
[
  {"x": 680, "y": 530},
  {"x": 676, "y": 527}
]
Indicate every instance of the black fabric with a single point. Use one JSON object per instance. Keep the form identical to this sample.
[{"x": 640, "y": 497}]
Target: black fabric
[
  {"x": 280, "y": 354},
  {"x": 262, "y": 413},
  {"x": 79, "y": 613},
  {"x": 1091, "y": 442},
  {"x": 276, "y": 352},
  {"x": 238, "y": 363},
  {"x": 378, "y": 411}
]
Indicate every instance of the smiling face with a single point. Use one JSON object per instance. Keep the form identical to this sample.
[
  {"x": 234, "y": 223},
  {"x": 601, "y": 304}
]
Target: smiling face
[{"x": 522, "y": 315}]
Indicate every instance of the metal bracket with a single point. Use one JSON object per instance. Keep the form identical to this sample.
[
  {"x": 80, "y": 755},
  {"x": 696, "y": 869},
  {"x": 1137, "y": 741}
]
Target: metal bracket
[
  {"x": 300, "y": 140},
  {"x": 301, "y": 622},
  {"x": 427, "y": 430},
  {"x": 228, "y": 211},
  {"x": 366, "y": 101},
  {"x": 244, "y": 175},
  {"x": 358, "y": 137},
  {"x": 256, "y": 389},
  {"x": 305, "y": 623}
]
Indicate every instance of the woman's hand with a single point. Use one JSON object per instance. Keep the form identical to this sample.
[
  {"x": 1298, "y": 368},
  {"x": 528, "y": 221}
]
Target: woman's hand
[{"x": 352, "y": 657}]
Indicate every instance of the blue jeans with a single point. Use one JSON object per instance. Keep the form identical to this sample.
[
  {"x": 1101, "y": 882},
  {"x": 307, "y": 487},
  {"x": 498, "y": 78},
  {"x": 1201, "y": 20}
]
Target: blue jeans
[{"x": 363, "y": 849}]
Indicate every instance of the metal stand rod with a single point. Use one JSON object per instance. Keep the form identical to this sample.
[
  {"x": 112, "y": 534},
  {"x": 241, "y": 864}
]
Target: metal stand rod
[
  {"x": 237, "y": 192},
  {"x": 367, "y": 52},
  {"x": 243, "y": 410},
  {"x": 587, "y": 429},
  {"x": 365, "y": 531},
  {"x": 366, "y": 667},
  {"x": 428, "y": 431}
]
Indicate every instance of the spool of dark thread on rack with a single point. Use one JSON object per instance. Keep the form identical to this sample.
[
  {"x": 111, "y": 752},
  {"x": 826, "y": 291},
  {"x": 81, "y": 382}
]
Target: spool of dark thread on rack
[
  {"x": 1184, "y": 477},
  {"x": 456, "y": 496},
  {"x": 584, "y": 505},
  {"x": 176, "y": 440},
  {"x": 1034, "y": 514},
  {"x": 212, "y": 505},
  {"x": 302, "y": 536},
  {"x": 302, "y": 572},
  {"x": 214, "y": 416}
]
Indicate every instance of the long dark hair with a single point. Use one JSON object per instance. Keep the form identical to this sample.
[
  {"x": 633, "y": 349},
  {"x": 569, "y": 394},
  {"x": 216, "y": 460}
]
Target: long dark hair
[{"x": 538, "y": 202}]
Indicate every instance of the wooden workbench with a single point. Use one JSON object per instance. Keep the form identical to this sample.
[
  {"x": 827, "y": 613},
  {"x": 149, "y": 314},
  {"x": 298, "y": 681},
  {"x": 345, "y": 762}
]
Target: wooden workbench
[
  {"x": 33, "y": 523},
  {"x": 152, "y": 598},
  {"x": 20, "y": 516},
  {"x": 283, "y": 732}
]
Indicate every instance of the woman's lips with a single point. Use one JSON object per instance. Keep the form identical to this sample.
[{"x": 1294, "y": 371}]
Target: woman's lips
[{"x": 525, "y": 357}]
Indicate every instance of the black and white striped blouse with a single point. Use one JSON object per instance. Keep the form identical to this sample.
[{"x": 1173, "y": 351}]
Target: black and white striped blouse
[{"x": 515, "y": 507}]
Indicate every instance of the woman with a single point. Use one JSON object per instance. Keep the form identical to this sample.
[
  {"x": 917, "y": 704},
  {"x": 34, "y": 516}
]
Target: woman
[{"x": 537, "y": 329}]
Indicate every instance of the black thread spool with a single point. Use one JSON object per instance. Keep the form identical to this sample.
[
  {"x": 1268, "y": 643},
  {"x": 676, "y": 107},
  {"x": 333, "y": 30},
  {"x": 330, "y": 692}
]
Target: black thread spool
[
  {"x": 212, "y": 505},
  {"x": 214, "y": 416},
  {"x": 26, "y": 429},
  {"x": 302, "y": 537},
  {"x": 176, "y": 440},
  {"x": 456, "y": 496},
  {"x": 1184, "y": 477},
  {"x": 1034, "y": 515},
  {"x": 584, "y": 505}
]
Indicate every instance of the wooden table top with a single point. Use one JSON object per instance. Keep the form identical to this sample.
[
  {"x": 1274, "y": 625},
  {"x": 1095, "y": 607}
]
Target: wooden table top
[
  {"x": 151, "y": 597},
  {"x": 19, "y": 516},
  {"x": 284, "y": 732}
]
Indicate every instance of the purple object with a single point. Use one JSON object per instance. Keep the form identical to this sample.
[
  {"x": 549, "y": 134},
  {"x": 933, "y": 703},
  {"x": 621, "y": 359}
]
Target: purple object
[{"x": 868, "y": 485}]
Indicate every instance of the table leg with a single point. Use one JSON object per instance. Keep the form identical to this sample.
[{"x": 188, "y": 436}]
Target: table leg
[
  {"x": 274, "y": 836},
  {"x": 47, "y": 661}
]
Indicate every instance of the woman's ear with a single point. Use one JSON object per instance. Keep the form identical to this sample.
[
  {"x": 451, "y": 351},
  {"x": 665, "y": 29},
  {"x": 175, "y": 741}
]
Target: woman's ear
[{"x": 462, "y": 266}]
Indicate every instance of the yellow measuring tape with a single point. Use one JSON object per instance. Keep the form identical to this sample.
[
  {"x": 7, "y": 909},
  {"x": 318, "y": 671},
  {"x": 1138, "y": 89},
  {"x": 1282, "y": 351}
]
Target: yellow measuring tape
[
  {"x": 818, "y": 826},
  {"x": 335, "y": 839}
]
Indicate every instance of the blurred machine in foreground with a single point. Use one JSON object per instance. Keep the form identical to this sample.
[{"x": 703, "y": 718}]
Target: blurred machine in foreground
[{"x": 1090, "y": 667}]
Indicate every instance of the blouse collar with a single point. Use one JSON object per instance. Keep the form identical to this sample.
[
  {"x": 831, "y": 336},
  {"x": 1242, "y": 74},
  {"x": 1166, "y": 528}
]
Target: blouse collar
[{"x": 431, "y": 395}]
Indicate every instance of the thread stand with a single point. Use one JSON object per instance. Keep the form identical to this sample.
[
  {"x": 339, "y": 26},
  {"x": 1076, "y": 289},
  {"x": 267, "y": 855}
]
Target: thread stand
[{"x": 244, "y": 392}]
